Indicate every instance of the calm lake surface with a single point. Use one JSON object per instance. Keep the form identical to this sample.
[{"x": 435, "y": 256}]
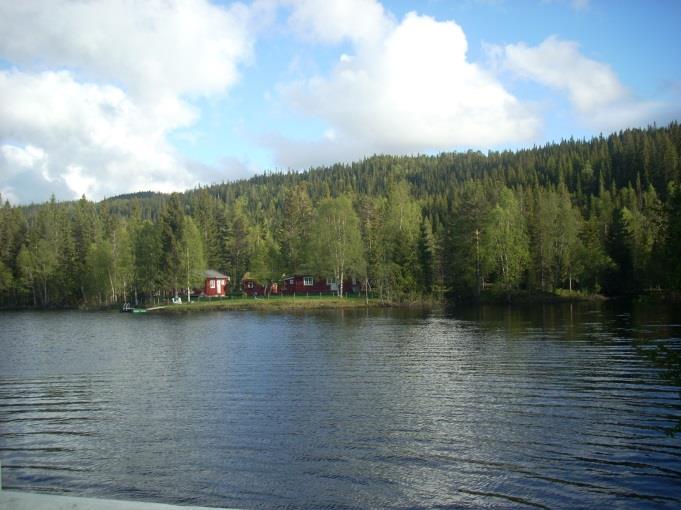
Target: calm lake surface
[{"x": 550, "y": 406}]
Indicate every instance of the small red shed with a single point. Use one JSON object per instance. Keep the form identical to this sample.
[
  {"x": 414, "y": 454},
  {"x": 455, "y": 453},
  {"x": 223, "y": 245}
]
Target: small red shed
[{"x": 216, "y": 283}]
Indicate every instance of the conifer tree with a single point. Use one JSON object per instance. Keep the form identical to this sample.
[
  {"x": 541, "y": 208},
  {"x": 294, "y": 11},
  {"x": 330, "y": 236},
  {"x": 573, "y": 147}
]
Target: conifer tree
[{"x": 172, "y": 223}]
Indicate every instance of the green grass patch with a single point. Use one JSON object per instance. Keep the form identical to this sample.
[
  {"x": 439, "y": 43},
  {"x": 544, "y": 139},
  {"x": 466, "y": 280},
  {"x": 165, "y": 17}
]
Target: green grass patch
[{"x": 272, "y": 303}]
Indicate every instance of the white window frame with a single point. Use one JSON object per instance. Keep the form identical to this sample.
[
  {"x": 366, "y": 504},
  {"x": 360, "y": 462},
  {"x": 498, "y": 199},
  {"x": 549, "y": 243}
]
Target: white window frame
[
  {"x": 308, "y": 281},
  {"x": 212, "y": 284}
]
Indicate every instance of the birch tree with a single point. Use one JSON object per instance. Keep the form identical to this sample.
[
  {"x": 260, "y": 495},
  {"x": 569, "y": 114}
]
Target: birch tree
[
  {"x": 193, "y": 254},
  {"x": 506, "y": 240},
  {"x": 336, "y": 240}
]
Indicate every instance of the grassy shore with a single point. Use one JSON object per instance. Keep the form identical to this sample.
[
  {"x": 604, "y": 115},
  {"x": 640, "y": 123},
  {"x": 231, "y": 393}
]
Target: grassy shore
[{"x": 273, "y": 303}]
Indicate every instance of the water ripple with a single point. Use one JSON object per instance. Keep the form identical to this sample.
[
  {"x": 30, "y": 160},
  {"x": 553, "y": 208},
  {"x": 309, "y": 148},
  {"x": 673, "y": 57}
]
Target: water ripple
[{"x": 486, "y": 408}]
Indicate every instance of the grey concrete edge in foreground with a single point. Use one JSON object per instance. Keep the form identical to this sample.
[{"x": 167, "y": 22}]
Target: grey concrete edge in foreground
[{"x": 15, "y": 500}]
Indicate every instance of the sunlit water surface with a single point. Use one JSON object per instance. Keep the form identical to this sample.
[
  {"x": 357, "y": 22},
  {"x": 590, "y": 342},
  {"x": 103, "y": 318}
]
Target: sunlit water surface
[{"x": 550, "y": 407}]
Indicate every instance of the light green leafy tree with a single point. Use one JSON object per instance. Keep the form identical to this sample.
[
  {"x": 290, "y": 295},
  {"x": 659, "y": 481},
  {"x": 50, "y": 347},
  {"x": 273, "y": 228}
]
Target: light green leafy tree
[
  {"x": 100, "y": 266},
  {"x": 398, "y": 238},
  {"x": 295, "y": 227},
  {"x": 37, "y": 265},
  {"x": 148, "y": 274},
  {"x": 193, "y": 254},
  {"x": 6, "y": 279},
  {"x": 265, "y": 262},
  {"x": 336, "y": 241},
  {"x": 567, "y": 242},
  {"x": 506, "y": 241}
]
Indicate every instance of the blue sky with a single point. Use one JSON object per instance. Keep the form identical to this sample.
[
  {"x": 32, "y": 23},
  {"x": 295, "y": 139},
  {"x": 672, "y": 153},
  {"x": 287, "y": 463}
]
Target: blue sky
[{"x": 103, "y": 98}]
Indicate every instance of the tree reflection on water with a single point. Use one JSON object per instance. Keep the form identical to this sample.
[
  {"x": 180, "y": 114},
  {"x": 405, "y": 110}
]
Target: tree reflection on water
[{"x": 669, "y": 361}]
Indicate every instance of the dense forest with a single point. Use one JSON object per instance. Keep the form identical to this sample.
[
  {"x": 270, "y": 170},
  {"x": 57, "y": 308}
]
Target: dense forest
[{"x": 589, "y": 216}]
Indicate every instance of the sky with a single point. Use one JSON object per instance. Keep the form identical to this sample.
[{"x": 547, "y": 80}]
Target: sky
[{"x": 104, "y": 97}]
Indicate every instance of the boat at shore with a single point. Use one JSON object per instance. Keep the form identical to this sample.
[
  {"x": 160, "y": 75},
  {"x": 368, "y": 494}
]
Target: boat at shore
[{"x": 127, "y": 308}]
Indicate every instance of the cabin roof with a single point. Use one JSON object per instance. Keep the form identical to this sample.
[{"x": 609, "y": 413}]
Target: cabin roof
[{"x": 212, "y": 273}]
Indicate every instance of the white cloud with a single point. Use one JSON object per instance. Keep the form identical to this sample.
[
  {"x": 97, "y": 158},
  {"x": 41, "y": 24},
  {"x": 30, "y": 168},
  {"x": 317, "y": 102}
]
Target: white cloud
[
  {"x": 360, "y": 21},
  {"x": 89, "y": 138},
  {"x": 414, "y": 90},
  {"x": 177, "y": 47},
  {"x": 302, "y": 154},
  {"x": 560, "y": 64},
  {"x": 592, "y": 87},
  {"x": 98, "y": 85}
]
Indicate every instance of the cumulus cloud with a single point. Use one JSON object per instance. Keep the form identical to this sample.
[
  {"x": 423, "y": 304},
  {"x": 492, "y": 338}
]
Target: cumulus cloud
[
  {"x": 413, "y": 90},
  {"x": 97, "y": 86},
  {"x": 359, "y": 21},
  {"x": 331, "y": 148},
  {"x": 592, "y": 87},
  {"x": 85, "y": 138},
  {"x": 151, "y": 47}
]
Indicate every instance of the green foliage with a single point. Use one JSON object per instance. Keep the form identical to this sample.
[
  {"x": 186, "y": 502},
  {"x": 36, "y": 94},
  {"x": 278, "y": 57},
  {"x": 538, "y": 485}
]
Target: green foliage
[
  {"x": 586, "y": 216},
  {"x": 425, "y": 253},
  {"x": 148, "y": 251},
  {"x": 672, "y": 240},
  {"x": 100, "y": 268},
  {"x": 172, "y": 226},
  {"x": 265, "y": 263},
  {"x": 294, "y": 231},
  {"x": 463, "y": 241},
  {"x": 336, "y": 242},
  {"x": 6, "y": 279},
  {"x": 505, "y": 242},
  {"x": 619, "y": 242},
  {"x": 399, "y": 236},
  {"x": 193, "y": 258}
]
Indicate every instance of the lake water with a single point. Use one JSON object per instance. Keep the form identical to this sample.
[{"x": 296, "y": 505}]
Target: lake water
[{"x": 488, "y": 407}]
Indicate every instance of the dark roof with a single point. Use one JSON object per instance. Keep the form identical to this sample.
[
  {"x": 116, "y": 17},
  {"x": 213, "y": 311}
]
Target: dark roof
[{"x": 211, "y": 273}]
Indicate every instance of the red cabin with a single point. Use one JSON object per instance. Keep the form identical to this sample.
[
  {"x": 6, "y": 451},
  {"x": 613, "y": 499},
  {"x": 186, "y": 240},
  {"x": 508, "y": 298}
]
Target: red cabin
[
  {"x": 251, "y": 287},
  {"x": 308, "y": 284},
  {"x": 216, "y": 283}
]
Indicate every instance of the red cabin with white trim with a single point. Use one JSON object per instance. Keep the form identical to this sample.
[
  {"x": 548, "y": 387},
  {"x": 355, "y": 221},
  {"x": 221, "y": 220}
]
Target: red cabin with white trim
[
  {"x": 309, "y": 284},
  {"x": 216, "y": 283}
]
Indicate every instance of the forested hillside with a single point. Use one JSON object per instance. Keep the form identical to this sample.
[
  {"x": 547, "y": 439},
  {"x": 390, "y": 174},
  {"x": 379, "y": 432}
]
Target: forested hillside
[{"x": 602, "y": 215}]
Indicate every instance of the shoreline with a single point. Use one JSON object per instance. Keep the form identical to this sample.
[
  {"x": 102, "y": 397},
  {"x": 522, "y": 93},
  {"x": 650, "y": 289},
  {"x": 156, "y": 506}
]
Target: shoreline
[
  {"x": 277, "y": 303},
  {"x": 326, "y": 302}
]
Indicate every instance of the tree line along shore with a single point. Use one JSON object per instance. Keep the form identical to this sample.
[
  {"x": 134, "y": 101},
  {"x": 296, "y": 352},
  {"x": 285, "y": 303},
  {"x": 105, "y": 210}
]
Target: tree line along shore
[{"x": 565, "y": 220}]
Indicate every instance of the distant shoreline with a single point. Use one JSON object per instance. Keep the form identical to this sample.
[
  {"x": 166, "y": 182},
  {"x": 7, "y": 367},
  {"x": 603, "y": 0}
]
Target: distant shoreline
[{"x": 326, "y": 302}]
